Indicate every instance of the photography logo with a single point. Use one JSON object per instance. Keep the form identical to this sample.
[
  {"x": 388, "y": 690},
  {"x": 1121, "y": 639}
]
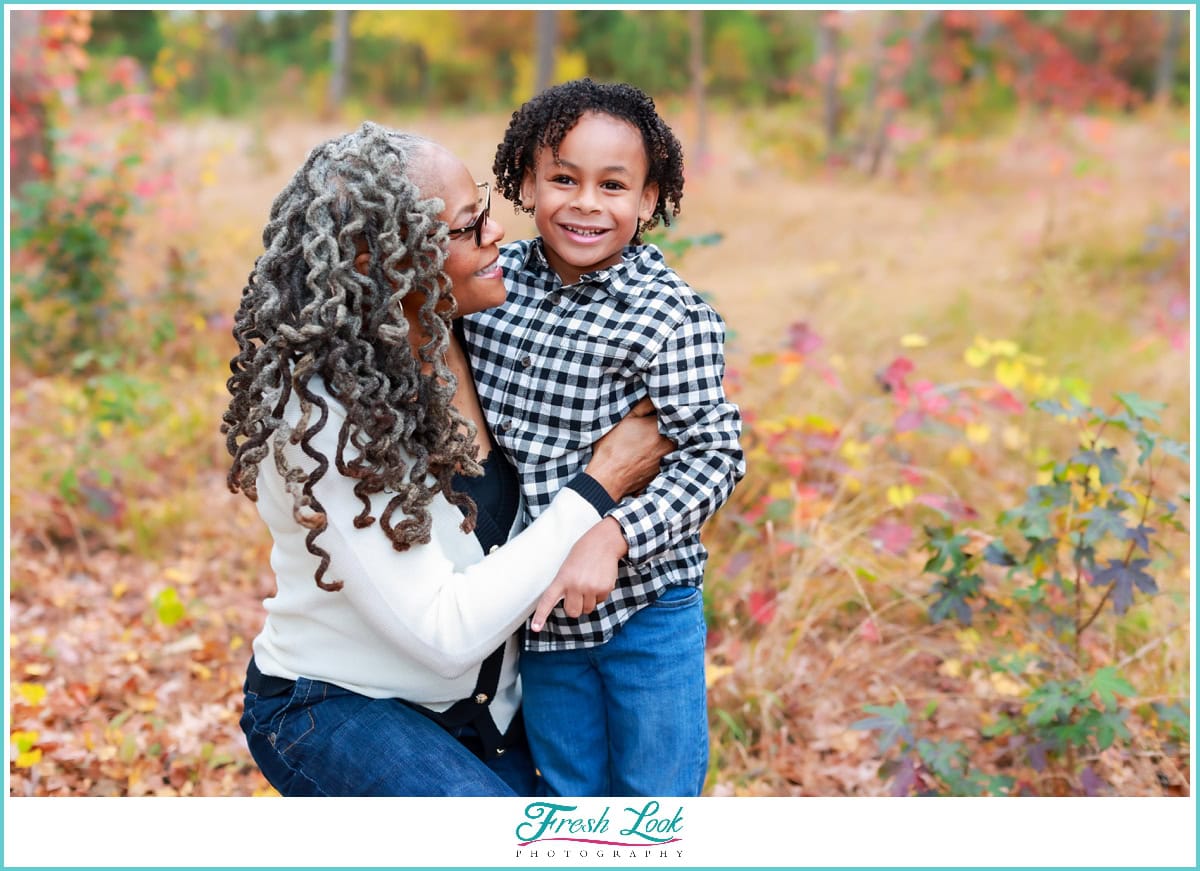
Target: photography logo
[{"x": 561, "y": 831}]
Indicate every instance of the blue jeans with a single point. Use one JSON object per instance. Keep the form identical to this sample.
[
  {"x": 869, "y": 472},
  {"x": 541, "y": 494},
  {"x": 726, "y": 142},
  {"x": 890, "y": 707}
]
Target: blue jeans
[
  {"x": 628, "y": 717},
  {"x": 324, "y": 740}
]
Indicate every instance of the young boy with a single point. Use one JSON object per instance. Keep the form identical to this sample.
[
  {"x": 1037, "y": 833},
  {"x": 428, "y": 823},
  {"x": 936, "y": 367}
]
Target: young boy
[{"x": 614, "y": 700}]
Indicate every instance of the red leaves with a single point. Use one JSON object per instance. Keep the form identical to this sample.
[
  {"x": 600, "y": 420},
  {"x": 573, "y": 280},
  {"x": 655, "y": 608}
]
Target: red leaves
[
  {"x": 761, "y": 604},
  {"x": 892, "y": 378},
  {"x": 892, "y": 536},
  {"x": 803, "y": 339}
]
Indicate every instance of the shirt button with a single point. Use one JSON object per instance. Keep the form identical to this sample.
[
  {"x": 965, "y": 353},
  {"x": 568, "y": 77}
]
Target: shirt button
[
  {"x": 493, "y": 548},
  {"x": 499, "y": 751},
  {"x": 504, "y": 426},
  {"x": 526, "y": 361},
  {"x": 555, "y": 298},
  {"x": 481, "y": 699}
]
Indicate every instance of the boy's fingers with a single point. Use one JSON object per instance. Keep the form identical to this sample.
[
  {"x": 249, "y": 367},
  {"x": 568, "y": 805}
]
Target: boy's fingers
[
  {"x": 573, "y": 604},
  {"x": 645, "y": 408},
  {"x": 545, "y": 605}
]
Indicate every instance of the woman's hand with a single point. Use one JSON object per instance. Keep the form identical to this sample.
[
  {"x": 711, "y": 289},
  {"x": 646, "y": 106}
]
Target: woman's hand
[
  {"x": 587, "y": 575},
  {"x": 626, "y": 458},
  {"x": 624, "y": 461}
]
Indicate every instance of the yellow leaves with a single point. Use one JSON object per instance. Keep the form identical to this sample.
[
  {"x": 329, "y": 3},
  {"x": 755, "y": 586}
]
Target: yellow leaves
[
  {"x": 169, "y": 608},
  {"x": 713, "y": 673},
  {"x": 37, "y": 669},
  {"x": 982, "y": 350},
  {"x": 1014, "y": 438},
  {"x": 179, "y": 576},
  {"x": 236, "y": 643},
  {"x": 900, "y": 495},
  {"x": 567, "y": 65},
  {"x": 29, "y": 758},
  {"x": 968, "y": 639},
  {"x": 33, "y": 693},
  {"x": 1010, "y": 373},
  {"x": 951, "y": 668},
  {"x": 23, "y": 740},
  {"x": 960, "y": 455},
  {"x": 854, "y": 452},
  {"x": 437, "y": 32},
  {"x": 1003, "y": 347},
  {"x": 776, "y": 426},
  {"x": 120, "y": 588},
  {"x": 789, "y": 373},
  {"x": 913, "y": 340},
  {"x": 978, "y": 433},
  {"x": 763, "y": 359},
  {"x": 1040, "y": 385},
  {"x": 1018, "y": 370},
  {"x": 976, "y": 357},
  {"x": 781, "y": 490},
  {"x": 1004, "y": 685}
]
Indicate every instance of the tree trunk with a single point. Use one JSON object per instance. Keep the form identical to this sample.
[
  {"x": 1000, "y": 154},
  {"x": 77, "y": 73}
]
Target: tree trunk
[
  {"x": 916, "y": 40},
  {"x": 886, "y": 25},
  {"x": 696, "y": 26},
  {"x": 339, "y": 59},
  {"x": 1165, "y": 75},
  {"x": 30, "y": 156},
  {"x": 547, "y": 43},
  {"x": 828, "y": 61}
]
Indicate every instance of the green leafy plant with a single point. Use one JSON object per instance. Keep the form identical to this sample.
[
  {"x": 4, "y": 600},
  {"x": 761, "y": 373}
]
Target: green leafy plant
[{"x": 1083, "y": 546}]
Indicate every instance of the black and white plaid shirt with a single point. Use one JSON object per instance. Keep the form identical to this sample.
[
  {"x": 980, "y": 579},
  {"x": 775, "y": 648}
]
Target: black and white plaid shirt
[{"x": 557, "y": 367}]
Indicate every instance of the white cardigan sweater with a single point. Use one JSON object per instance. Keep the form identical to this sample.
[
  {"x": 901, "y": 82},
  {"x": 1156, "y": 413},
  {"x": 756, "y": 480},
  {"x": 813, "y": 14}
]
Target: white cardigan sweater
[{"x": 415, "y": 625}]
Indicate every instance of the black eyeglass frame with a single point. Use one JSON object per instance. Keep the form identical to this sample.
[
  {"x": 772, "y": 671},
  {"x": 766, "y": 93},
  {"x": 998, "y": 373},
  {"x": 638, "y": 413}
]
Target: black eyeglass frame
[{"x": 480, "y": 220}]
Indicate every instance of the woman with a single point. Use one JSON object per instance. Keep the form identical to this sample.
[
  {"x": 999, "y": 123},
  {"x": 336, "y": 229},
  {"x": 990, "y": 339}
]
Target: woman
[{"x": 387, "y": 663}]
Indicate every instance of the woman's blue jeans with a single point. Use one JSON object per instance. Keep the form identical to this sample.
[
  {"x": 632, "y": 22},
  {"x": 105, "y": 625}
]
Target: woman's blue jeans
[
  {"x": 324, "y": 740},
  {"x": 628, "y": 717}
]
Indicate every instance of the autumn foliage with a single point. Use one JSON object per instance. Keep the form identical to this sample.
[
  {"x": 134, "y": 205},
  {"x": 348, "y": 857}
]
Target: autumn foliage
[{"x": 960, "y": 561}]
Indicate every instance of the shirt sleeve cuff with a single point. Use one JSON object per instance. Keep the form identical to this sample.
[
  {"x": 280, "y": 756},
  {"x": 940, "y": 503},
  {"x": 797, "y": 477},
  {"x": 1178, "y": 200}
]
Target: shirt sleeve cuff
[{"x": 591, "y": 490}]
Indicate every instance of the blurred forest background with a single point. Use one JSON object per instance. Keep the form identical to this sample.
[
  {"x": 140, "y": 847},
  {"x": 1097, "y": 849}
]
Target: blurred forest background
[{"x": 953, "y": 251}]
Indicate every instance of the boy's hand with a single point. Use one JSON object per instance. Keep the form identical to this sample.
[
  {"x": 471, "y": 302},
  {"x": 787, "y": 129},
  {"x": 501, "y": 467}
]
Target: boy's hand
[{"x": 587, "y": 575}]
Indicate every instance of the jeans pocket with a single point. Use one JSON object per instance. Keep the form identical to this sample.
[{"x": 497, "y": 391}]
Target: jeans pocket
[
  {"x": 295, "y": 721},
  {"x": 677, "y": 596}
]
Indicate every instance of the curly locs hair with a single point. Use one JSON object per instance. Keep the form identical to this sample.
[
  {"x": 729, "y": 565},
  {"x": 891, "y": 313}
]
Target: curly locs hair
[
  {"x": 544, "y": 120},
  {"x": 307, "y": 313}
]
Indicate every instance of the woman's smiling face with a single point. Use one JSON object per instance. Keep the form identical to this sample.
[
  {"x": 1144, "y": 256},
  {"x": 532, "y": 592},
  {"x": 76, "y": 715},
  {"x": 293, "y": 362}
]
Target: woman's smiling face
[
  {"x": 587, "y": 203},
  {"x": 474, "y": 270}
]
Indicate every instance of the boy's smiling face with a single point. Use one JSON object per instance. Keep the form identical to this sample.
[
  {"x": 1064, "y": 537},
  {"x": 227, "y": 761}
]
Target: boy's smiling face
[{"x": 587, "y": 204}]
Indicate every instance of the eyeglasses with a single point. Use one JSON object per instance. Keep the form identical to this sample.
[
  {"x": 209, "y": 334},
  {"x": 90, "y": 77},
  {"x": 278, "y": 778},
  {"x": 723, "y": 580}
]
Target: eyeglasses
[{"x": 477, "y": 224}]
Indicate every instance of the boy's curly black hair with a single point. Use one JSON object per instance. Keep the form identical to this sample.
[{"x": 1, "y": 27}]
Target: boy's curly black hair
[{"x": 546, "y": 119}]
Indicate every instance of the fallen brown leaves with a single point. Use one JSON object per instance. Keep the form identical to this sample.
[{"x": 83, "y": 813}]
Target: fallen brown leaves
[{"x": 111, "y": 700}]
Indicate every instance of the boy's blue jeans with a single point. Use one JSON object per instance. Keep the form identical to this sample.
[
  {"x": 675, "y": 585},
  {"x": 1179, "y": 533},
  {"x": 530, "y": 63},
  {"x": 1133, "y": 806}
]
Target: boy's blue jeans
[
  {"x": 321, "y": 739},
  {"x": 628, "y": 717}
]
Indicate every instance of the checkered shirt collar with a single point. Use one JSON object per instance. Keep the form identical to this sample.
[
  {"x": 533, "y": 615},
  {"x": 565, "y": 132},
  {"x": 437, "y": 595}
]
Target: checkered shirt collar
[{"x": 639, "y": 264}]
